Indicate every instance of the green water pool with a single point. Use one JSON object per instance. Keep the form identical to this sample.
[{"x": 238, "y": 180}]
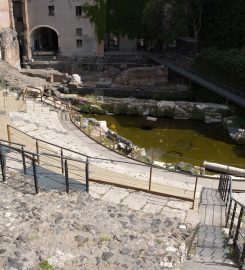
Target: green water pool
[{"x": 179, "y": 140}]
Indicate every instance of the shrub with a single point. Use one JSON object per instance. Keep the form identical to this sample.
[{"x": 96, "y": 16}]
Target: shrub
[
  {"x": 227, "y": 66},
  {"x": 44, "y": 265}
]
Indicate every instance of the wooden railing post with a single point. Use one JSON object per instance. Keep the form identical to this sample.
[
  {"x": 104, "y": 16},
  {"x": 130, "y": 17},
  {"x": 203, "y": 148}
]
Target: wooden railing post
[
  {"x": 194, "y": 195},
  {"x": 67, "y": 177},
  {"x": 81, "y": 121},
  {"x": 89, "y": 130},
  {"x": 37, "y": 151},
  {"x": 62, "y": 160},
  {"x": 34, "y": 167},
  {"x": 9, "y": 134},
  {"x": 87, "y": 175},
  {"x": 23, "y": 159},
  {"x": 114, "y": 143},
  {"x": 150, "y": 179},
  {"x": 151, "y": 168},
  {"x": 3, "y": 164}
]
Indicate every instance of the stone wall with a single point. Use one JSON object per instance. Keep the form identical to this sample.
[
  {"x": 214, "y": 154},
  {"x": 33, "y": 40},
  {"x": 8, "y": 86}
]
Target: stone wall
[
  {"x": 143, "y": 76},
  {"x": 9, "y": 47},
  {"x": 4, "y": 14},
  {"x": 207, "y": 112}
]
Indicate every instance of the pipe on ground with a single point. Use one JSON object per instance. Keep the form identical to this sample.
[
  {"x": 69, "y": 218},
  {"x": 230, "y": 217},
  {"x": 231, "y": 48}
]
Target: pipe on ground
[{"x": 223, "y": 168}]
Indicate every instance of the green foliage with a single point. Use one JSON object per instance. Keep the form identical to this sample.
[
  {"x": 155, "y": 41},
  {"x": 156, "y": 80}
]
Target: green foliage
[
  {"x": 225, "y": 65},
  {"x": 97, "y": 15},
  {"x": 179, "y": 19},
  {"x": 154, "y": 20},
  {"x": 224, "y": 24},
  {"x": 93, "y": 109},
  {"x": 104, "y": 237},
  {"x": 124, "y": 16},
  {"x": 44, "y": 265},
  {"x": 166, "y": 20}
]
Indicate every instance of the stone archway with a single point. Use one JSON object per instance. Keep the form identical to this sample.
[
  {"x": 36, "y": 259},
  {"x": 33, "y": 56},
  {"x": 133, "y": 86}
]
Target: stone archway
[{"x": 44, "y": 40}]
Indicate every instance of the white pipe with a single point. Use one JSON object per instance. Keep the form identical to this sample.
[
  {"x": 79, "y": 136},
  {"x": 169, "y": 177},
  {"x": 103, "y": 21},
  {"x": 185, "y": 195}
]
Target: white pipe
[{"x": 223, "y": 168}]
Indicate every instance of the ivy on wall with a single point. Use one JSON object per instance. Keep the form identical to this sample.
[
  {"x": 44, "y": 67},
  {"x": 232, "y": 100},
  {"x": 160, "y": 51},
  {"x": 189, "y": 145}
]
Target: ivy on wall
[
  {"x": 97, "y": 15},
  {"x": 115, "y": 16},
  {"x": 124, "y": 16}
]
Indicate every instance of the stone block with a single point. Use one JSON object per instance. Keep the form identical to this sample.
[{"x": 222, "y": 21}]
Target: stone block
[
  {"x": 115, "y": 195},
  {"x": 135, "y": 201}
]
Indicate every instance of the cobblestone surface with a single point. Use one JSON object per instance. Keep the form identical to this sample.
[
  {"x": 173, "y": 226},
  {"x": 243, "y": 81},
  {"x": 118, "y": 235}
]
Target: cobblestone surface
[{"x": 77, "y": 231}]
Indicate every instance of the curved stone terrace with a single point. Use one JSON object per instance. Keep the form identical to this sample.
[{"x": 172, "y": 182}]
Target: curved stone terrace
[{"x": 55, "y": 126}]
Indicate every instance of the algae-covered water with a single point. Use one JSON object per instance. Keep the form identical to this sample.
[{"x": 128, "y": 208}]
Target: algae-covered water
[{"x": 179, "y": 140}]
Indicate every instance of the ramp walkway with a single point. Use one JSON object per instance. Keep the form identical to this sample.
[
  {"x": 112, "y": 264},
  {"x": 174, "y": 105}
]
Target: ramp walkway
[
  {"x": 214, "y": 248},
  {"x": 229, "y": 93},
  {"x": 41, "y": 126}
]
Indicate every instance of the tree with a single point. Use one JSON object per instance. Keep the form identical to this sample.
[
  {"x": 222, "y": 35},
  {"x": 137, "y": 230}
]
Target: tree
[
  {"x": 165, "y": 20},
  {"x": 187, "y": 15},
  {"x": 124, "y": 17},
  {"x": 97, "y": 15},
  {"x": 228, "y": 20},
  {"x": 154, "y": 22}
]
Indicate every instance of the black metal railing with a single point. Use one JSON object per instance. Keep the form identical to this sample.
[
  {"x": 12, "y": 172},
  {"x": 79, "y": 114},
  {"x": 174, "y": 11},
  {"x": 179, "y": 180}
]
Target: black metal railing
[
  {"x": 39, "y": 145},
  {"x": 235, "y": 217},
  {"x": 47, "y": 171}
]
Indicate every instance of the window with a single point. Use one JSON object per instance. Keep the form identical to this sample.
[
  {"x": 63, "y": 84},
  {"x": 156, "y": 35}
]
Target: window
[
  {"x": 51, "y": 10},
  {"x": 79, "y": 32},
  {"x": 78, "y": 11},
  {"x": 113, "y": 42},
  {"x": 141, "y": 44},
  {"x": 79, "y": 43}
]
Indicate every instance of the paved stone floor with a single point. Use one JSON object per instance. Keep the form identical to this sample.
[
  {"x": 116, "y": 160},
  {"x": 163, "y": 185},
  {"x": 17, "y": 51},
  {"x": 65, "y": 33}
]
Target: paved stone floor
[{"x": 142, "y": 201}]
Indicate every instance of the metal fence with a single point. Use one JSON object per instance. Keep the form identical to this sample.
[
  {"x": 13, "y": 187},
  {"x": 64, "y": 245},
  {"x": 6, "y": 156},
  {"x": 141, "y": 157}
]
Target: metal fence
[
  {"x": 145, "y": 177},
  {"x": 235, "y": 221},
  {"x": 46, "y": 171}
]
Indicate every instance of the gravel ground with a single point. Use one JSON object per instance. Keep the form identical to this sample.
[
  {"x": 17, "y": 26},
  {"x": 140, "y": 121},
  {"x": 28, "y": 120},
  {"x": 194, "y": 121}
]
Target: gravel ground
[{"x": 58, "y": 231}]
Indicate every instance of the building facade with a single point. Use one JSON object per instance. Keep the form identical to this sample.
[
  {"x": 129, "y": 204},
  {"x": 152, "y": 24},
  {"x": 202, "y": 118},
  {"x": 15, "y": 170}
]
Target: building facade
[
  {"x": 9, "y": 46},
  {"x": 57, "y": 27},
  {"x": 4, "y": 14}
]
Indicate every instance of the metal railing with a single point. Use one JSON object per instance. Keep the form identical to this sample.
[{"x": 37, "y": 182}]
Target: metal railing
[
  {"x": 171, "y": 161},
  {"x": 99, "y": 173},
  {"x": 175, "y": 66},
  {"x": 235, "y": 217},
  {"x": 73, "y": 114},
  {"x": 100, "y": 137},
  {"x": 40, "y": 166}
]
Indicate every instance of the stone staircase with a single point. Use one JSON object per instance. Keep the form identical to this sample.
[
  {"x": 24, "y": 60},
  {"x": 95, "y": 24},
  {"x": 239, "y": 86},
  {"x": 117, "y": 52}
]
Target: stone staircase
[{"x": 212, "y": 248}]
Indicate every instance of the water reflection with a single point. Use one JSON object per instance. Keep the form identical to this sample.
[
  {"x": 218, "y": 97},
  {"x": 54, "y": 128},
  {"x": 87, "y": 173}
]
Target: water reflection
[{"x": 174, "y": 140}]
